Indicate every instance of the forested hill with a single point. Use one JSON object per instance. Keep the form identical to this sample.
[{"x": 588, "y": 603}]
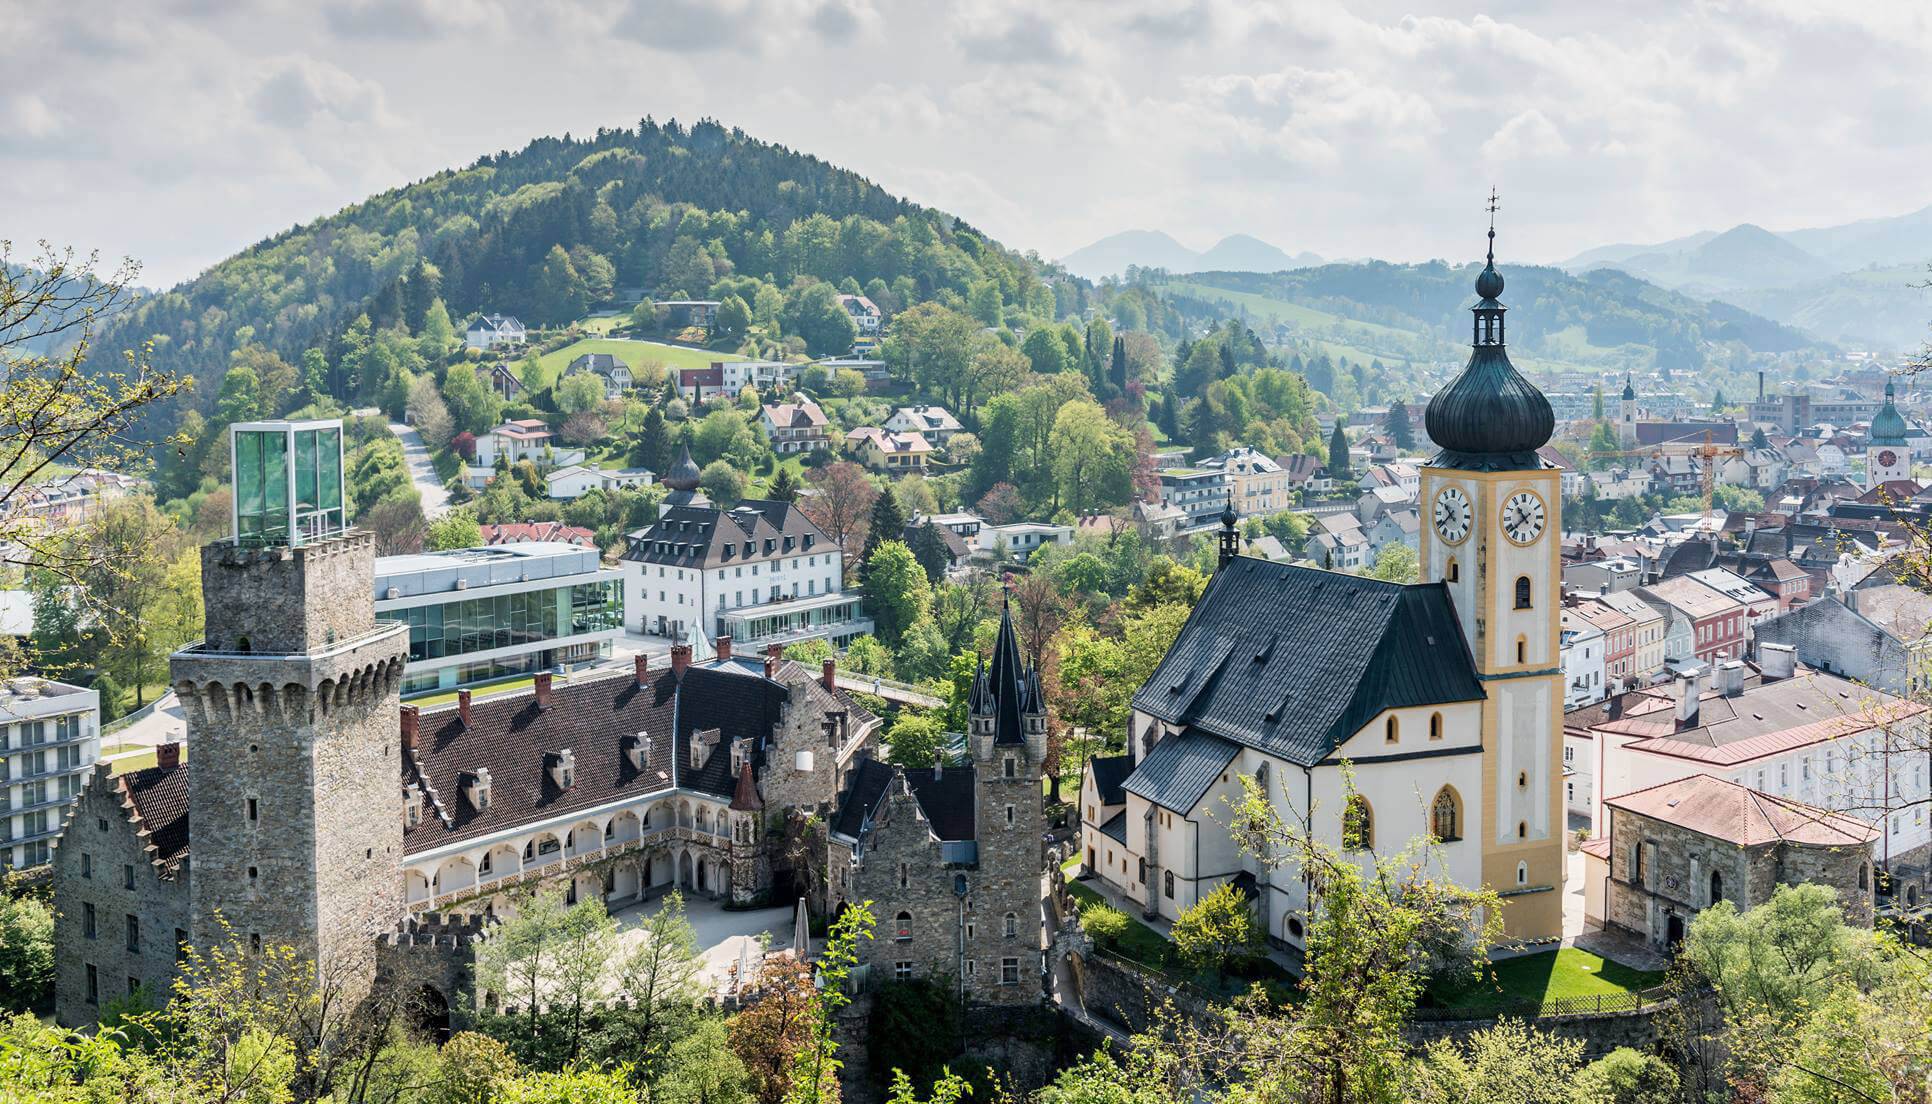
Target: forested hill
[
  {"x": 546, "y": 230},
  {"x": 1421, "y": 309}
]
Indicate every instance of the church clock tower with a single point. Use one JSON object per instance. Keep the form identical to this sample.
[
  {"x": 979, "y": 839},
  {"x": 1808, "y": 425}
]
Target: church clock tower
[
  {"x": 1886, "y": 457},
  {"x": 1492, "y": 509}
]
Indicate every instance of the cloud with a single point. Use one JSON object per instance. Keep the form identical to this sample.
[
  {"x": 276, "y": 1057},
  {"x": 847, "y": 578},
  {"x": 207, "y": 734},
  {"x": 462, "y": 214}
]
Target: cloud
[
  {"x": 24, "y": 115},
  {"x": 300, "y": 92},
  {"x": 412, "y": 19},
  {"x": 1013, "y": 34},
  {"x": 1528, "y": 134}
]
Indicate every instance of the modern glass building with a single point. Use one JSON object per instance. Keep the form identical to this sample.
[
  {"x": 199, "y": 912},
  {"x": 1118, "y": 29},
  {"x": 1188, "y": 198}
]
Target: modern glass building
[
  {"x": 476, "y": 614},
  {"x": 288, "y": 481}
]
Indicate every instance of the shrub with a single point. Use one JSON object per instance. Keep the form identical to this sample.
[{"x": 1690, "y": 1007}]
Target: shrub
[{"x": 1106, "y": 924}]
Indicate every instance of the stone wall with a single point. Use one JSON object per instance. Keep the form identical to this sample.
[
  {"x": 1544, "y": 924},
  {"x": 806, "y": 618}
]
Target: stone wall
[
  {"x": 1677, "y": 868},
  {"x": 1642, "y": 1029},
  {"x": 903, "y": 872},
  {"x": 92, "y": 865},
  {"x": 1029, "y": 1045},
  {"x": 281, "y": 600},
  {"x": 1129, "y": 998}
]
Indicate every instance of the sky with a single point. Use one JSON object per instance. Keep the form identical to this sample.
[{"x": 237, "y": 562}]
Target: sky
[{"x": 1354, "y": 129}]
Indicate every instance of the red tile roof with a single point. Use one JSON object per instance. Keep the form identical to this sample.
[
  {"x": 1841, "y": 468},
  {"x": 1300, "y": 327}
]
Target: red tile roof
[
  {"x": 157, "y": 801},
  {"x": 1722, "y": 809}
]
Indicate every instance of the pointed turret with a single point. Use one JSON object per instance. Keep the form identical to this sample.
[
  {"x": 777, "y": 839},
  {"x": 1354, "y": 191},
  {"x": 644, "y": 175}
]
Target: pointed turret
[{"x": 1489, "y": 418}]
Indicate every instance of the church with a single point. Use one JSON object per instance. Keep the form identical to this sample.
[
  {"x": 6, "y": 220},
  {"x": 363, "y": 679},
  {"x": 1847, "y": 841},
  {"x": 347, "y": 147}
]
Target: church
[{"x": 1442, "y": 699}]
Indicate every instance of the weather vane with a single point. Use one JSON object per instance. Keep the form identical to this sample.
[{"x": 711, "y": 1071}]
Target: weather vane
[{"x": 1492, "y": 224}]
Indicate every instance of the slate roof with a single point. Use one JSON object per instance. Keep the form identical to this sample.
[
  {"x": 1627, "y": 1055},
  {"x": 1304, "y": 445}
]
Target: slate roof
[
  {"x": 1722, "y": 809},
  {"x": 1009, "y": 690},
  {"x": 1116, "y": 827},
  {"x": 1180, "y": 769},
  {"x": 159, "y": 796},
  {"x": 703, "y": 536},
  {"x": 1109, "y": 771},
  {"x": 946, "y": 799},
  {"x": 870, "y": 779},
  {"x": 1293, "y": 660}
]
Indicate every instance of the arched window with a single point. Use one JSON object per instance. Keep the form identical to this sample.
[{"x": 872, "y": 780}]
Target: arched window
[
  {"x": 1393, "y": 730},
  {"x": 1358, "y": 824},
  {"x": 1435, "y": 726},
  {"x": 904, "y": 876},
  {"x": 1012, "y": 924},
  {"x": 1293, "y": 927},
  {"x": 1637, "y": 866},
  {"x": 1445, "y": 815},
  {"x": 1522, "y": 829},
  {"x": 1522, "y": 650},
  {"x": 1522, "y": 592},
  {"x": 1454, "y": 571},
  {"x": 1522, "y": 873},
  {"x": 1167, "y": 884},
  {"x": 903, "y": 925},
  {"x": 1864, "y": 876},
  {"x": 1717, "y": 887}
]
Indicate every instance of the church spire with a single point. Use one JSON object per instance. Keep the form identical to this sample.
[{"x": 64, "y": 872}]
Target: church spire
[{"x": 1489, "y": 418}]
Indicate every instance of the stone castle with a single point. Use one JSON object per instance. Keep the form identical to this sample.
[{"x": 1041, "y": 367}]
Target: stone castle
[{"x": 322, "y": 814}]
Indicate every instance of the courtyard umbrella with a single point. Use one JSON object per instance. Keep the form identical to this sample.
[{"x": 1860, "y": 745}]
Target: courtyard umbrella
[{"x": 802, "y": 932}]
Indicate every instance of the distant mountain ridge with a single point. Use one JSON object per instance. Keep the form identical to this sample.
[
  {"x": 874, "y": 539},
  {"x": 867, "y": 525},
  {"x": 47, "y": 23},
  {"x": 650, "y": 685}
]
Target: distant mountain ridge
[
  {"x": 1850, "y": 283},
  {"x": 1113, "y": 254}
]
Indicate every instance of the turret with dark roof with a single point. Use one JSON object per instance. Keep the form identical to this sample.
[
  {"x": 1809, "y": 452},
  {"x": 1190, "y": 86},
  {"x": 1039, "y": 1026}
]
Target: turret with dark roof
[
  {"x": 1010, "y": 689},
  {"x": 1888, "y": 425}
]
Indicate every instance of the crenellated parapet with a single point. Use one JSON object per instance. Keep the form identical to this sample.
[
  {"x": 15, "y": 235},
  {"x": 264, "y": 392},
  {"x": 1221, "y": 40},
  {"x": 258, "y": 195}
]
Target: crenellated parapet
[{"x": 299, "y": 690}]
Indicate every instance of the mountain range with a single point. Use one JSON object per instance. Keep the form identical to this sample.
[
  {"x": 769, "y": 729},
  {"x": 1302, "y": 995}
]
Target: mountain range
[
  {"x": 1852, "y": 283},
  {"x": 1113, "y": 254}
]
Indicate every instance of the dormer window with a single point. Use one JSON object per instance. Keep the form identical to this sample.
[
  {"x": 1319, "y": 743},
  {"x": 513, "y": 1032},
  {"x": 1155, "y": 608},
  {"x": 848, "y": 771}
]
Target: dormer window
[
  {"x": 476, "y": 788},
  {"x": 808, "y": 542},
  {"x": 737, "y": 758},
  {"x": 562, "y": 767},
  {"x": 637, "y": 749},
  {"x": 412, "y": 805}
]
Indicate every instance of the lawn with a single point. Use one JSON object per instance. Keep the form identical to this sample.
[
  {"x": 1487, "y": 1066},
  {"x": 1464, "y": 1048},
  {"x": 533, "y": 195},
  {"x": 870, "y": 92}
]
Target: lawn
[
  {"x": 633, "y": 353},
  {"x": 141, "y": 761},
  {"x": 1141, "y": 943},
  {"x": 1555, "y": 975}
]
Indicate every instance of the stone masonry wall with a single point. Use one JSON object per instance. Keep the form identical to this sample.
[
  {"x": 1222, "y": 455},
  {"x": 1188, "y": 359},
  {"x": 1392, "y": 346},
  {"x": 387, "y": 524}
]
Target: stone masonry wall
[
  {"x": 99, "y": 854},
  {"x": 902, "y": 872},
  {"x": 1009, "y": 878},
  {"x": 783, "y": 786},
  {"x": 288, "y": 600}
]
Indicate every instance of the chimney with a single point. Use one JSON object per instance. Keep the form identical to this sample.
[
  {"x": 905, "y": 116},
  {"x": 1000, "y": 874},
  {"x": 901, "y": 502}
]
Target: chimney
[
  {"x": 1615, "y": 708},
  {"x": 828, "y": 673},
  {"x": 938, "y": 768},
  {"x": 1687, "y": 688},
  {"x": 1760, "y": 385},
  {"x": 680, "y": 659},
  {"x": 410, "y": 719},
  {"x": 1777, "y": 661},
  {"x": 543, "y": 689},
  {"x": 1730, "y": 675},
  {"x": 724, "y": 647},
  {"x": 168, "y": 754},
  {"x": 641, "y": 663},
  {"x": 771, "y": 667},
  {"x": 463, "y": 707}
]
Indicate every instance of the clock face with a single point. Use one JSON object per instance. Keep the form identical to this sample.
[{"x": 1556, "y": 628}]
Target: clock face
[
  {"x": 1887, "y": 458},
  {"x": 1452, "y": 515},
  {"x": 1523, "y": 517}
]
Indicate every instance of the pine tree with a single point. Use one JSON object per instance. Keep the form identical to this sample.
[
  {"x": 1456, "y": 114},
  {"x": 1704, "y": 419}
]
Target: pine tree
[
  {"x": 1119, "y": 368},
  {"x": 653, "y": 448},
  {"x": 1596, "y": 403},
  {"x": 888, "y": 524},
  {"x": 1338, "y": 453},
  {"x": 1399, "y": 430},
  {"x": 784, "y": 486},
  {"x": 929, "y": 548},
  {"x": 1758, "y": 440}
]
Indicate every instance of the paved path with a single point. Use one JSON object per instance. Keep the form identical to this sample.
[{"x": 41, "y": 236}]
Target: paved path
[
  {"x": 422, "y": 471},
  {"x": 724, "y": 935},
  {"x": 901, "y": 695},
  {"x": 164, "y": 724}
]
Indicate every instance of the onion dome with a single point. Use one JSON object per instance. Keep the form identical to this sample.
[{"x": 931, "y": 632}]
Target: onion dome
[
  {"x": 1629, "y": 392},
  {"x": 683, "y": 475},
  {"x": 1489, "y": 418},
  {"x": 1888, "y": 425}
]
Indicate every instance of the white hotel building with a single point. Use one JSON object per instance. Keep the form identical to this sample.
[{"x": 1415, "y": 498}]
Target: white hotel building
[{"x": 760, "y": 573}]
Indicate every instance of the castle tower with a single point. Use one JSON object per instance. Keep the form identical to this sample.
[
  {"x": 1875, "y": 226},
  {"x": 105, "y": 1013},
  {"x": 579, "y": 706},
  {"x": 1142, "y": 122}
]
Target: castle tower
[
  {"x": 292, "y": 712},
  {"x": 1627, "y": 416},
  {"x": 1008, "y": 742},
  {"x": 1886, "y": 456},
  {"x": 1493, "y": 506}
]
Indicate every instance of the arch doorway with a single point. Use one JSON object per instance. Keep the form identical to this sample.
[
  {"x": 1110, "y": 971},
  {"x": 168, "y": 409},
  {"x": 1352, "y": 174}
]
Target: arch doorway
[
  {"x": 685, "y": 876},
  {"x": 432, "y": 1014}
]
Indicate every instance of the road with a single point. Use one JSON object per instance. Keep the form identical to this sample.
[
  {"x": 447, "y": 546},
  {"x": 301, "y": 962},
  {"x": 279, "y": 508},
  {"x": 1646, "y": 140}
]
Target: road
[{"x": 422, "y": 471}]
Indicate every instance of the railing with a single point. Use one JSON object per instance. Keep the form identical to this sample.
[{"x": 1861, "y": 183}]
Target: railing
[
  {"x": 563, "y": 864},
  {"x": 1601, "y": 1004},
  {"x": 126, "y": 719}
]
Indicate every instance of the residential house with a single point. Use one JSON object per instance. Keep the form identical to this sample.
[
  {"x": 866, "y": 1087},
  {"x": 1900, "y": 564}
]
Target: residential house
[
  {"x": 1716, "y": 620},
  {"x": 866, "y": 316},
  {"x": 1757, "y": 602},
  {"x": 50, "y": 737},
  {"x": 884, "y": 451},
  {"x": 1398, "y": 526},
  {"x": 574, "y": 481},
  {"x": 504, "y": 382},
  {"x": 1581, "y": 647},
  {"x": 1336, "y": 541},
  {"x": 1201, "y": 494},
  {"x": 492, "y": 330},
  {"x": 536, "y": 532},
  {"x": 614, "y": 372},
  {"x": 1020, "y": 539},
  {"x": 1648, "y": 628},
  {"x": 934, "y": 423},
  {"x": 1257, "y": 486},
  {"x": 795, "y": 427},
  {"x": 1611, "y": 574},
  {"x": 1876, "y": 636},
  {"x": 521, "y": 439},
  {"x": 1619, "y": 638},
  {"x": 1571, "y": 481},
  {"x": 701, "y": 385}
]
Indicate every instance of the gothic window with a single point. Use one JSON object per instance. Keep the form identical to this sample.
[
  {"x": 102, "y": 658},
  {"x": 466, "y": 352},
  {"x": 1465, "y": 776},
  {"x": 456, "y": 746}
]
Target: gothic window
[
  {"x": 1445, "y": 815},
  {"x": 1637, "y": 866},
  {"x": 1435, "y": 726},
  {"x": 1358, "y": 824},
  {"x": 1167, "y": 884},
  {"x": 1522, "y": 592},
  {"x": 903, "y": 924},
  {"x": 1522, "y": 829},
  {"x": 1393, "y": 730},
  {"x": 1141, "y": 876},
  {"x": 1454, "y": 574},
  {"x": 1012, "y": 924},
  {"x": 1717, "y": 887},
  {"x": 1522, "y": 873}
]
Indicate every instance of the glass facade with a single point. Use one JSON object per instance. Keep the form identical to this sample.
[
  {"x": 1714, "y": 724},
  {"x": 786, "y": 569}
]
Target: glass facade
[
  {"x": 288, "y": 482},
  {"x": 509, "y": 620}
]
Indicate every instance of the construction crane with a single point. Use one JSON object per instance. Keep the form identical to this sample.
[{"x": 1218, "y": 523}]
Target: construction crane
[{"x": 1710, "y": 454}]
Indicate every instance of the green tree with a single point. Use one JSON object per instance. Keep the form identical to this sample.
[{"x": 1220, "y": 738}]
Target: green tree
[
  {"x": 816, "y": 315},
  {"x": 580, "y": 392},
  {"x": 888, "y": 523},
  {"x": 702, "y": 1069},
  {"x": 915, "y": 740},
  {"x": 653, "y": 448},
  {"x": 1399, "y": 429},
  {"x": 560, "y": 294},
  {"x": 659, "y": 984},
  {"x": 932, "y": 346},
  {"x": 1093, "y": 458},
  {"x": 733, "y": 319},
  {"x": 1758, "y": 440},
  {"x": 1338, "y": 454},
  {"x": 1626, "y": 1076},
  {"x": 26, "y": 954},
  {"x": 784, "y": 486},
  {"x": 1219, "y": 932},
  {"x": 475, "y": 408},
  {"x": 896, "y": 591},
  {"x": 722, "y": 483},
  {"x": 1396, "y": 563},
  {"x": 456, "y": 529},
  {"x": 930, "y": 550},
  {"x": 1044, "y": 350},
  {"x": 1510, "y": 1062},
  {"x": 551, "y": 957}
]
